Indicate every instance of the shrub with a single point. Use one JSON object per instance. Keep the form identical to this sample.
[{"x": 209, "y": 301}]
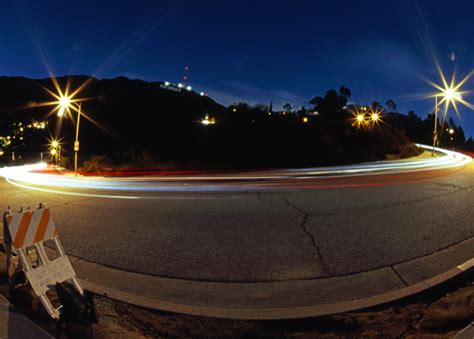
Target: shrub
[{"x": 97, "y": 164}]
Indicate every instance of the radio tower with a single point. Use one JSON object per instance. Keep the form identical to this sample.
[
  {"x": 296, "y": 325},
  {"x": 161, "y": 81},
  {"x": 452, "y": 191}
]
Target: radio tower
[{"x": 185, "y": 76}]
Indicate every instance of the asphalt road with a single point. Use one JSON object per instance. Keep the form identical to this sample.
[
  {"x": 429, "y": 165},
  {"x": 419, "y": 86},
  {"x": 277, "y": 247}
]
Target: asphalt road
[{"x": 310, "y": 228}]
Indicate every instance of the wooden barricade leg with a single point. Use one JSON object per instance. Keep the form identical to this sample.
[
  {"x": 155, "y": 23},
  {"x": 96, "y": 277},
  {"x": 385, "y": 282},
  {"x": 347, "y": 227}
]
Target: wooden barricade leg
[
  {"x": 63, "y": 254},
  {"x": 7, "y": 244}
]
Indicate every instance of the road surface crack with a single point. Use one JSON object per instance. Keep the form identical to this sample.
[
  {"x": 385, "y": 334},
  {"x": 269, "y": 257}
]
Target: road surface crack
[
  {"x": 306, "y": 216},
  {"x": 399, "y": 276},
  {"x": 293, "y": 206}
]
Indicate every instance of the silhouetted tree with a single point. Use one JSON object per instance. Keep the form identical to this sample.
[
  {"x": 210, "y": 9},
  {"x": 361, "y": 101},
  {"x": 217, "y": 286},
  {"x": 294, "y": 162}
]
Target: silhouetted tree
[
  {"x": 317, "y": 100},
  {"x": 287, "y": 107},
  {"x": 331, "y": 106},
  {"x": 391, "y": 105},
  {"x": 376, "y": 106},
  {"x": 345, "y": 92}
]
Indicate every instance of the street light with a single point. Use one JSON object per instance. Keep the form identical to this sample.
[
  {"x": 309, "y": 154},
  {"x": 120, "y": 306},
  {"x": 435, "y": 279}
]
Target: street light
[
  {"x": 375, "y": 117},
  {"x": 66, "y": 104},
  {"x": 359, "y": 118},
  {"x": 54, "y": 155},
  {"x": 63, "y": 103},
  {"x": 55, "y": 150},
  {"x": 449, "y": 94}
]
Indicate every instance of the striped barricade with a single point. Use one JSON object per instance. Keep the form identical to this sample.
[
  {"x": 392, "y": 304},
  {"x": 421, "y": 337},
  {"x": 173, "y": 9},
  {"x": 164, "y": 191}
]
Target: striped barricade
[{"x": 30, "y": 229}]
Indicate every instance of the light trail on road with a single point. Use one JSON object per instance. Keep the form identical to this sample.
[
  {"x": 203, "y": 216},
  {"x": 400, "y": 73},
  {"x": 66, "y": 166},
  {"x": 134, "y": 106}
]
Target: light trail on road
[{"x": 30, "y": 177}]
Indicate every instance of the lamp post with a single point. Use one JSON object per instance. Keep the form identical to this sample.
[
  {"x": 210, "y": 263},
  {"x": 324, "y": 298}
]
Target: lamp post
[
  {"x": 76, "y": 142},
  {"x": 448, "y": 93},
  {"x": 449, "y": 96},
  {"x": 65, "y": 104},
  {"x": 55, "y": 151},
  {"x": 435, "y": 130}
]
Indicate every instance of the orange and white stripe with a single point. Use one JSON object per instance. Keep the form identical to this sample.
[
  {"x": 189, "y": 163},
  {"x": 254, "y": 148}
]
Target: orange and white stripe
[{"x": 30, "y": 227}]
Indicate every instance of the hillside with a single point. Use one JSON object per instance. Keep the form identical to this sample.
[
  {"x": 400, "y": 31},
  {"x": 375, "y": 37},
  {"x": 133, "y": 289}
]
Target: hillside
[{"x": 131, "y": 113}]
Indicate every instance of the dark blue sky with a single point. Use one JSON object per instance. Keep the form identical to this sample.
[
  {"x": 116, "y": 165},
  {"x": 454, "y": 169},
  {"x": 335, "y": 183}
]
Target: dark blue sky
[{"x": 256, "y": 51}]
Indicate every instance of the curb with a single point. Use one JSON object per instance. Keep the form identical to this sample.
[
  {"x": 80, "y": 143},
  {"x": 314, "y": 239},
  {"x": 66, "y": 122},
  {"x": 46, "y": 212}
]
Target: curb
[
  {"x": 466, "y": 333},
  {"x": 276, "y": 313},
  {"x": 278, "y": 300}
]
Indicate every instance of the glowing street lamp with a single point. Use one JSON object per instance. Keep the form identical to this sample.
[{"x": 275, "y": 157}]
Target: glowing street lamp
[
  {"x": 375, "y": 117},
  {"x": 359, "y": 119},
  {"x": 55, "y": 150},
  {"x": 449, "y": 94},
  {"x": 65, "y": 104},
  {"x": 54, "y": 155}
]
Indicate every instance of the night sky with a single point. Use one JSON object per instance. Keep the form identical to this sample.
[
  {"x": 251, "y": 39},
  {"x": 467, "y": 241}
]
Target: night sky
[{"x": 254, "y": 51}]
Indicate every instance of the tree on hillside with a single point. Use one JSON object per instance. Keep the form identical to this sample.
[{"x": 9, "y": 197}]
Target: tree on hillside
[
  {"x": 345, "y": 92},
  {"x": 287, "y": 107},
  {"x": 376, "y": 106},
  {"x": 391, "y": 105},
  {"x": 317, "y": 100},
  {"x": 331, "y": 105}
]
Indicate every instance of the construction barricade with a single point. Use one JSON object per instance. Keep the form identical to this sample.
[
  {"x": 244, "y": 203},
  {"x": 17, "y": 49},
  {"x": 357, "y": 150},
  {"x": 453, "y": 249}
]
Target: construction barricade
[{"x": 25, "y": 234}]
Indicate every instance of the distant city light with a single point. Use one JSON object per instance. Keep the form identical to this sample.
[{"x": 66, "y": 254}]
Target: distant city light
[
  {"x": 189, "y": 88},
  {"x": 201, "y": 94},
  {"x": 451, "y": 131},
  {"x": 208, "y": 121},
  {"x": 180, "y": 85},
  {"x": 305, "y": 120},
  {"x": 167, "y": 83}
]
